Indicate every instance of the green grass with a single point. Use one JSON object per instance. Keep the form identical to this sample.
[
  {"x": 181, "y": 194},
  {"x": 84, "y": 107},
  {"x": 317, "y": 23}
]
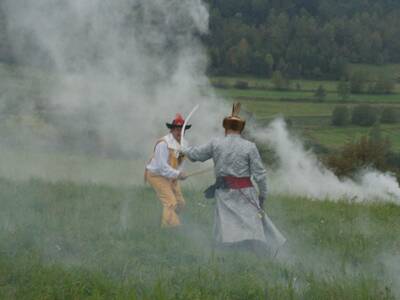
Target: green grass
[
  {"x": 26, "y": 84},
  {"x": 73, "y": 241},
  {"x": 391, "y": 71},
  {"x": 305, "y": 96},
  {"x": 265, "y": 83},
  {"x": 311, "y": 118},
  {"x": 337, "y": 136},
  {"x": 267, "y": 109},
  {"x": 53, "y": 165}
]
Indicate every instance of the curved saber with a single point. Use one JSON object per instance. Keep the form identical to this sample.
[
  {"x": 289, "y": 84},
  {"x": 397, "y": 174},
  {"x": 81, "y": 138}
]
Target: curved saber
[{"x": 186, "y": 121}]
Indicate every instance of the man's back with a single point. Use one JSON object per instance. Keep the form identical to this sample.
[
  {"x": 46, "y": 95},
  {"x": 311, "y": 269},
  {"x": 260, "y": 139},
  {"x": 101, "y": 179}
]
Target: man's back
[{"x": 232, "y": 156}]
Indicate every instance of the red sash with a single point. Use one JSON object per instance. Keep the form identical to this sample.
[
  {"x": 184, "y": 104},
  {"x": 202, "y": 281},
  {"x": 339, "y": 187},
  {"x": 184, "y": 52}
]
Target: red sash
[{"x": 238, "y": 182}]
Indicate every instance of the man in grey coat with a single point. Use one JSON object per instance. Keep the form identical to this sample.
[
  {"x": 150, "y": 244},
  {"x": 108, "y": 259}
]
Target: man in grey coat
[{"x": 239, "y": 215}]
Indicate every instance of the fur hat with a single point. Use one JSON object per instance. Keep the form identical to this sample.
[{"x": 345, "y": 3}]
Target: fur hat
[{"x": 234, "y": 122}]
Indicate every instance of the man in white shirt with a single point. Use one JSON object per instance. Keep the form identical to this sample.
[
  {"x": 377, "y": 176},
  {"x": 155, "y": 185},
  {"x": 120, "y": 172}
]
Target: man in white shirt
[{"x": 165, "y": 169}]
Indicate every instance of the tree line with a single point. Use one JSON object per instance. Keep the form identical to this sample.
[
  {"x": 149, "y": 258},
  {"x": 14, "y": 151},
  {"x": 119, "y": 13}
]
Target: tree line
[
  {"x": 308, "y": 38},
  {"x": 299, "y": 38}
]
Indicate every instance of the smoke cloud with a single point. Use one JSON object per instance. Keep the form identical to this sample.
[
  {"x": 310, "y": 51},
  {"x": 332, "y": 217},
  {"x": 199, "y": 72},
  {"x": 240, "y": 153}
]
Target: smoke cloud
[
  {"x": 120, "y": 69},
  {"x": 300, "y": 173}
]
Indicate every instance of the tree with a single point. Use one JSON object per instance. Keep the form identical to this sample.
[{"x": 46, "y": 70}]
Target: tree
[
  {"x": 279, "y": 82},
  {"x": 239, "y": 56},
  {"x": 381, "y": 86},
  {"x": 269, "y": 64},
  {"x": 358, "y": 81},
  {"x": 360, "y": 153},
  {"x": 320, "y": 93},
  {"x": 340, "y": 116},
  {"x": 343, "y": 89},
  {"x": 364, "y": 115},
  {"x": 307, "y": 38},
  {"x": 390, "y": 115}
]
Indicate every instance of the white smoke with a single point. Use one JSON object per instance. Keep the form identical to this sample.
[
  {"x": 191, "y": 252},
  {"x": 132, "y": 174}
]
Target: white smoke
[
  {"x": 124, "y": 68},
  {"x": 120, "y": 68},
  {"x": 300, "y": 173}
]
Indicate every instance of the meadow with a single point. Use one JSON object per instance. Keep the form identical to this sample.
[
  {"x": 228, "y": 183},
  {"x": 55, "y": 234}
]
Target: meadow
[
  {"x": 86, "y": 228},
  {"x": 311, "y": 117},
  {"x": 65, "y": 240}
]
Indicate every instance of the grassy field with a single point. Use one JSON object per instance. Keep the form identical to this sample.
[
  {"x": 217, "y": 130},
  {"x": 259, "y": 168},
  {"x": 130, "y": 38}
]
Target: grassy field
[
  {"x": 263, "y": 83},
  {"x": 305, "y": 96},
  {"x": 29, "y": 85},
  {"x": 55, "y": 166},
  {"x": 64, "y": 238},
  {"x": 313, "y": 121},
  {"x": 309, "y": 117},
  {"x": 73, "y": 241},
  {"x": 336, "y": 137},
  {"x": 391, "y": 72}
]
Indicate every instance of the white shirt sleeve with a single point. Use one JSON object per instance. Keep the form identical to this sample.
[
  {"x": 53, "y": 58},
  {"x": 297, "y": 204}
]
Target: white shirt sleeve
[{"x": 161, "y": 154}]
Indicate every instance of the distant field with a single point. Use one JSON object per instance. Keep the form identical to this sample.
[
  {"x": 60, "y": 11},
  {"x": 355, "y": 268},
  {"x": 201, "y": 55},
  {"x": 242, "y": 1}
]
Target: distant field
[
  {"x": 56, "y": 166},
  {"x": 300, "y": 106},
  {"x": 335, "y": 137},
  {"x": 310, "y": 117},
  {"x": 262, "y": 83},
  {"x": 391, "y": 71},
  {"x": 272, "y": 95},
  {"x": 266, "y": 109},
  {"x": 91, "y": 241},
  {"x": 314, "y": 120}
]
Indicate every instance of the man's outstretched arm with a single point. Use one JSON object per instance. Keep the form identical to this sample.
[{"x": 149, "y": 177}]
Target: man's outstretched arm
[{"x": 199, "y": 153}]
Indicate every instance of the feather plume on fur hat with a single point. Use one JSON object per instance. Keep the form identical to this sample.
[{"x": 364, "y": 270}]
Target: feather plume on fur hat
[{"x": 234, "y": 122}]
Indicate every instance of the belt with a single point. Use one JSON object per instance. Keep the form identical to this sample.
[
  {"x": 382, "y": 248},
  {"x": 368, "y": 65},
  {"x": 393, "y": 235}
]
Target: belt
[{"x": 237, "y": 182}]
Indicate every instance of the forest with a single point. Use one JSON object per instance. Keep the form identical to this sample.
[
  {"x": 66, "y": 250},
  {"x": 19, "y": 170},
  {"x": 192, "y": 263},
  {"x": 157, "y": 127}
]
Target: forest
[{"x": 302, "y": 39}]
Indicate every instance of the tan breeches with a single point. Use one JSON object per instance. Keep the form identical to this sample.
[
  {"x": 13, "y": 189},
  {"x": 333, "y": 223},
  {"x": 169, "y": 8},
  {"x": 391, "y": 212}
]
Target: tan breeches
[{"x": 170, "y": 195}]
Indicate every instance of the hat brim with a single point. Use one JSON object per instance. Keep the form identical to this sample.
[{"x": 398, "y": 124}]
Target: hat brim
[{"x": 170, "y": 126}]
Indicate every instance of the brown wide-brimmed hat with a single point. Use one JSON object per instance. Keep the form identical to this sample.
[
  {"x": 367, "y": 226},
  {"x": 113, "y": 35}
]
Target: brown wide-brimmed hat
[
  {"x": 178, "y": 122},
  {"x": 234, "y": 122}
]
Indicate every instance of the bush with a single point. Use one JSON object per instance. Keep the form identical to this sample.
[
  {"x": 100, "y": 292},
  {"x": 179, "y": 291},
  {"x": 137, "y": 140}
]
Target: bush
[
  {"x": 358, "y": 81},
  {"x": 220, "y": 85},
  {"x": 364, "y": 115},
  {"x": 241, "y": 84},
  {"x": 343, "y": 89},
  {"x": 320, "y": 93},
  {"x": 394, "y": 159},
  {"x": 340, "y": 116},
  {"x": 316, "y": 147},
  {"x": 367, "y": 151},
  {"x": 381, "y": 86},
  {"x": 390, "y": 115},
  {"x": 279, "y": 82}
]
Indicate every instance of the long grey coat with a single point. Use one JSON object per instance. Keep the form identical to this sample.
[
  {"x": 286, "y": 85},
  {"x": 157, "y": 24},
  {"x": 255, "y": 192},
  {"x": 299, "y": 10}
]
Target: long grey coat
[{"x": 237, "y": 214}]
